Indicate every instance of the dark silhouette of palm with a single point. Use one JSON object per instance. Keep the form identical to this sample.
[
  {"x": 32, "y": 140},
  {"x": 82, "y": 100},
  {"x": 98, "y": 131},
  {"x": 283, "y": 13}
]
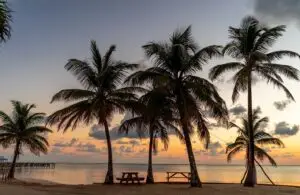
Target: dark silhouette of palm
[
  {"x": 175, "y": 63},
  {"x": 261, "y": 138},
  {"x": 250, "y": 44},
  {"x": 155, "y": 117},
  {"x": 100, "y": 97},
  {"x": 21, "y": 129},
  {"x": 5, "y": 20}
]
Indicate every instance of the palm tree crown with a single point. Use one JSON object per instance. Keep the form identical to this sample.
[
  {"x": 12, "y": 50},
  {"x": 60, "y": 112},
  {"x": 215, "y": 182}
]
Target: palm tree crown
[
  {"x": 261, "y": 138},
  {"x": 175, "y": 63},
  {"x": 250, "y": 45},
  {"x": 101, "y": 95},
  {"x": 22, "y": 130}
]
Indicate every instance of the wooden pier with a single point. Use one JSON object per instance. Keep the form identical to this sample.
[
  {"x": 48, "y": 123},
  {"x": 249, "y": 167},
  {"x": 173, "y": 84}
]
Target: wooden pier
[
  {"x": 5, "y": 166},
  {"x": 29, "y": 165}
]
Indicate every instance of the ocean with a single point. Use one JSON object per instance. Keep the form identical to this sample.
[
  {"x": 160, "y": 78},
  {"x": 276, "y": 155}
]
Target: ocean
[{"x": 95, "y": 173}]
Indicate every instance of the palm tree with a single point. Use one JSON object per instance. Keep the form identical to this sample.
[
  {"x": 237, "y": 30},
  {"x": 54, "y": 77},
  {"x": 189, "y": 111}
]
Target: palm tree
[
  {"x": 261, "y": 138},
  {"x": 155, "y": 116},
  {"x": 21, "y": 129},
  {"x": 175, "y": 63},
  {"x": 249, "y": 45},
  {"x": 5, "y": 20},
  {"x": 100, "y": 97}
]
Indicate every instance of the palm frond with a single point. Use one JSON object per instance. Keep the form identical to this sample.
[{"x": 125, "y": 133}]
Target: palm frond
[
  {"x": 233, "y": 152},
  {"x": 261, "y": 134},
  {"x": 259, "y": 123},
  {"x": 276, "y": 83},
  {"x": 261, "y": 155},
  {"x": 286, "y": 70},
  {"x": 83, "y": 72},
  {"x": 72, "y": 95},
  {"x": 72, "y": 115},
  {"x": 37, "y": 129},
  {"x": 5, "y": 118},
  {"x": 5, "y": 21},
  {"x": 277, "y": 55},
  {"x": 240, "y": 79},
  {"x": 269, "y": 140},
  {"x": 233, "y": 125},
  {"x": 218, "y": 70},
  {"x": 184, "y": 37},
  {"x": 268, "y": 38},
  {"x": 234, "y": 145},
  {"x": 97, "y": 59},
  {"x": 137, "y": 124},
  {"x": 107, "y": 56}
]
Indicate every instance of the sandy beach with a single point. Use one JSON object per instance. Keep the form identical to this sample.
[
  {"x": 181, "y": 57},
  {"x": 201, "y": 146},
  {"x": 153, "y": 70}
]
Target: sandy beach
[{"x": 96, "y": 189}]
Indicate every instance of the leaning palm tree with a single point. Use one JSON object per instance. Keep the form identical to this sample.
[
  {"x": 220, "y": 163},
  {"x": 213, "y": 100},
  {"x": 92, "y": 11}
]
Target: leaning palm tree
[
  {"x": 100, "y": 97},
  {"x": 175, "y": 65},
  {"x": 5, "y": 20},
  {"x": 22, "y": 129},
  {"x": 249, "y": 45},
  {"x": 261, "y": 138},
  {"x": 156, "y": 118}
]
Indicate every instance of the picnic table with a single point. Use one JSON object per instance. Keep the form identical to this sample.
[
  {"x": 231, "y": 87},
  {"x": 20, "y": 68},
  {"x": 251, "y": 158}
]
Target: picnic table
[
  {"x": 171, "y": 175},
  {"x": 130, "y": 177}
]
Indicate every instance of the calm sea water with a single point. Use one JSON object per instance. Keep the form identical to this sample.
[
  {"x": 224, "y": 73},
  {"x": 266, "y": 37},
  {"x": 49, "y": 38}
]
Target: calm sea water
[{"x": 93, "y": 173}]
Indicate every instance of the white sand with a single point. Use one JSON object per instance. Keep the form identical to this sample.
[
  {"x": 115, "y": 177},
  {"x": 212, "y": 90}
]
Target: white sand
[{"x": 155, "y": 189}]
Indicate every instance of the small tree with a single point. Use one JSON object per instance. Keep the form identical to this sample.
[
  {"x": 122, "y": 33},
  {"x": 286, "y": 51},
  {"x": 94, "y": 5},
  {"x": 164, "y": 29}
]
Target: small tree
[{"x": 21, "y": 129}]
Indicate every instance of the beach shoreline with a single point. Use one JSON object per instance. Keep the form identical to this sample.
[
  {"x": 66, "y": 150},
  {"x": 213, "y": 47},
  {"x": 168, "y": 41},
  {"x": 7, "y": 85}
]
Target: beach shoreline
[{"x": 42, "y": 187}]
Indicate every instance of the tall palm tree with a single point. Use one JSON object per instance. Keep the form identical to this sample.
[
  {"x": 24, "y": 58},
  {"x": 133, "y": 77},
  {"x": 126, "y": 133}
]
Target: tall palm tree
[
  {"x": 22, "y": 129},
  {"x": 100, "y": 97},
  {"x": 175, "y": 65},
  {"x": 155, "y": 116},
  {"x": 250, "y": 45},
  {"x": 5, "y": 20},
  {"x": 261, "y": 138}
]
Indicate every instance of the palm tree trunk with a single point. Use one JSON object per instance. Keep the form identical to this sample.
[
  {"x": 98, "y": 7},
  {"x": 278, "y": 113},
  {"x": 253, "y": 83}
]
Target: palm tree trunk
[
  {"x": 11, "y": 173},
  {"x": 150, "y": 179},
  {"x": 195, "y": 180},
  {"x": 109, "y": 178},
  {"x": 242, "y": 180},
  {"x": 250, "y": 180},
  {"x": 265, "y": 172}
]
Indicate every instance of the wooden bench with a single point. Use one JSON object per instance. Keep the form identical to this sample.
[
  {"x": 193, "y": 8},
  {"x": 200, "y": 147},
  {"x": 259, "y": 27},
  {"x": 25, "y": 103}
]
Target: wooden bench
[
  {"x": 130, "y": 177},
  {"x": 175, "y": 175}
]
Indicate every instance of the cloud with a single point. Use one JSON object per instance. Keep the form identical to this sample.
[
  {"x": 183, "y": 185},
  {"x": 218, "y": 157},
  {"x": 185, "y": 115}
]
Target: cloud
[
  {"x": 214, "y": 149},
  {"x": 237, "y": 110},
  {"x": 278, "y": 10},
  {"x": 66, "y": 144},
  {"x": 281, "y": 105},
  {"x": 88, "y": 147},
  {"x": 287, "y": 155},
  {"x": 133, "y": 142},
  {"x": 142, "y": 151},
  {"x": 97, "y": 132},
  {"x": 126, "y": 149},
  {"x": 56, "y": 150},
  {"x": 284, "y": 155},
  {"x": 284, "y": 129}
]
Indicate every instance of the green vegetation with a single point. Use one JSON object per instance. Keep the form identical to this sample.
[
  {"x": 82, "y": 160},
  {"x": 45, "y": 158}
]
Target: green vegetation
[{"x": 21, "y": 130}]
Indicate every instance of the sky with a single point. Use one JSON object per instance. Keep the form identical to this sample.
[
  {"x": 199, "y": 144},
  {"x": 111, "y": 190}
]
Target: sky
[{"x": 48, "y": 33}]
